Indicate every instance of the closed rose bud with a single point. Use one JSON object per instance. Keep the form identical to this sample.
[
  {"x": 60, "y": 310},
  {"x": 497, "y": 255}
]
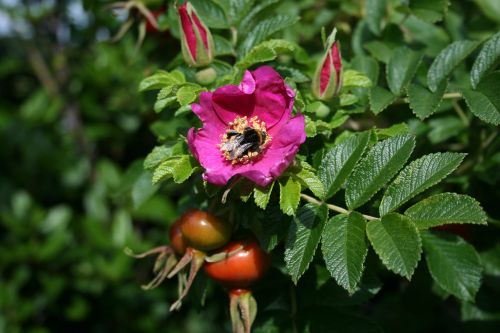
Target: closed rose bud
[
  {"x": 328, "y": 77},
  {"x": 196, "y": 39}
]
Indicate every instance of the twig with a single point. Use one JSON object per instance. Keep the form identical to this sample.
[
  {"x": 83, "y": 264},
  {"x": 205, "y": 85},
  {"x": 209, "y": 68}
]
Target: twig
[
  {"x": 42, "y": 71},
  {"x": 489, "y": 140},
  {"x": 452, "y": 95},
  {"x": 333, "y": 207},
  {"x": 460, "y": 112}
]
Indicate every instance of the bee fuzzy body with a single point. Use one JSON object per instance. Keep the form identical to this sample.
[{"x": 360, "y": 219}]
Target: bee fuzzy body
[{"x": 245, "y": 144}]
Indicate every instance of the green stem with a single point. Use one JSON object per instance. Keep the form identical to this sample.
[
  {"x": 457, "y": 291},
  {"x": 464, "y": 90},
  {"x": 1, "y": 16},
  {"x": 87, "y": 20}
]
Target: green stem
[
  {"x": 453, "y": 95},
  {"x": 234, "y": 36},
  {"x": 460, "y": 112},
  {"x": 489, "y": 140},
  {"x": 335, "y": 208}
]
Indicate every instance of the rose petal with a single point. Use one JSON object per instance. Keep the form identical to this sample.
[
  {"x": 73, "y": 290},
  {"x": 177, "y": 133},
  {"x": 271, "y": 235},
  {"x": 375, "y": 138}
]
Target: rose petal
[
  {"x": 229, "y": 101},
  {"x": 201, "y": 29},
  {"x": 284, "y": 119},
  {"x": 206, "y": 113},
  {"x": 247, "y": 85},
  {"x": 271, "y": 96},
  {"x": 191, "y": 142},
  {"x": 293, "y": 132},
  {"x": 203, "y": 145},
  {"x": 289, "y": 91},
  {"x": 188, "y": 30}
]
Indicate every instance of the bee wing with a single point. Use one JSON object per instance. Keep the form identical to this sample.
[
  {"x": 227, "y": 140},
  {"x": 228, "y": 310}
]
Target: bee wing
[
  {"x": 232, "y": 144},
  {"x": 240, "y": 150}
]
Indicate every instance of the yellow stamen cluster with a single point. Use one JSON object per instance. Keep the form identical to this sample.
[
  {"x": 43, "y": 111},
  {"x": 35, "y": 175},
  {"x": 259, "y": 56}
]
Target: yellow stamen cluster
[{"x": 239, "y": 124}]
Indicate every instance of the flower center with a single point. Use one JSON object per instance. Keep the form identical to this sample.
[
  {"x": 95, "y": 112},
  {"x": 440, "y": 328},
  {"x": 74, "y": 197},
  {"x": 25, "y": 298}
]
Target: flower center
[{"x": 244, "y": 140}]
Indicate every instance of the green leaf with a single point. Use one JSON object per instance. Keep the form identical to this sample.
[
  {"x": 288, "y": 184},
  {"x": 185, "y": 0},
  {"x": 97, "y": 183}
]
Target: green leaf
[
  {"x": 482, "y": 107},
  {"x": 447, "y": 60},
  {"x": 222, "y": 46},
  {"x": 308, "y": 178},
  {"x": 423, "y": 102},
  {"x": 366, "y": 65},
  {"x": 310, "y": 127},
  {"x": 211, "y": 13},
  {"x": 179, "y": 168},
  {"x": 401, "y": 68},
  {"x": 443, "y": 128},
  {"x": 293, "y": 73},
  {"x": 270, "y": 226},
  {"x": 264, "y": 29},
  {"x": 289, "y": 195},
  {"x": 453, "y": 264},
  {"x": 142, "y": 189},
  {"x": 162, "y": 79},
  {"x": 339, "y": 161},
  {"x": 355, "y": 79},
  {"x": 238, "y": 9},
  {"x": 375, "y": 10},
  {"x": 262, "y": 195},
  {"x": 344, "y": 248},
  {"x": 188, "y": 93},
  {"x": 434, "y": 37},
  {"x": 397, "y": 242},
  {"x": 247, "y": 22},
  {"x": 484, "y": 102},
  {"x": 121, "y": 228},
  {"x": 303, "y": 238},
  {"x": 418, "y": 176},
  {"x": 396, "y": 129},
  {"x": 318, "y": 108},
  {"x": 160, "y": 153},
  {"x": 338, "y": 119},
  {"x": 161, "y": 104},
  {"x": 348, "y": 99},
  {"x": 446, "y": 208},
  {"x": 380, "y": 99},
  {"x": 490, "y": 8},
  {"x": 471, "y": 311},
  {"x": 377, "y": 168},
  {"x": 486, "y": 60},
  {"x": 429, "y": 10},
  {"x": 379, "y": 50},
  {"x": 156, "y": 156},
  {"x": 266, "y": 51}
]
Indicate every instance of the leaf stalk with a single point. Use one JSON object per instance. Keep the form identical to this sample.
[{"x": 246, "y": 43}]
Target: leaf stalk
[{"x": 335, "y": 208}]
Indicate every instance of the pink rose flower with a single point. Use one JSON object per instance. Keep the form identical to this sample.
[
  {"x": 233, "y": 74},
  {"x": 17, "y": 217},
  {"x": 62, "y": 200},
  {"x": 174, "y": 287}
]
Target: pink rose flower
[{"x": 248, "y": 130}]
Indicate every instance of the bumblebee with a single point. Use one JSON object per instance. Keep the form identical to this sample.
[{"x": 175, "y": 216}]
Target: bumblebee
[{"x": 245, "y": 145}]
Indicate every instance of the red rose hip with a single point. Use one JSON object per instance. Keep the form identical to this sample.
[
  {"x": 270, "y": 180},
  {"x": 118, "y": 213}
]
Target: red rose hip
[
  {"x": 204, "y": 231},
  {"x": 241, "y": 269},
  {"x": 177, "y": 241}
]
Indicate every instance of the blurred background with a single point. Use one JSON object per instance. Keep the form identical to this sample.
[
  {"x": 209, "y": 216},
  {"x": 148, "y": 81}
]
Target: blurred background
[
  {"x": 73, "y": 192},
  {"x": 73, "y": 133}
]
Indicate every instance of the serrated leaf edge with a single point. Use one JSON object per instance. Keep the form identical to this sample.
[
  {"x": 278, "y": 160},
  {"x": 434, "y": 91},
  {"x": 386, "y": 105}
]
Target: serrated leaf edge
[
  {"x": 385, "y": 261},
  {"x": 462, "y": 155}
]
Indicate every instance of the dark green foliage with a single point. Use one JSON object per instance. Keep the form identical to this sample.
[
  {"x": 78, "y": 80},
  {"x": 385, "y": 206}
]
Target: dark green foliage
[{"x": 94, "y": 160}]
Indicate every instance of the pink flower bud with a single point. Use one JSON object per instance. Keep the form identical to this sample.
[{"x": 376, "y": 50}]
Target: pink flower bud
[
  {"x": 196, "y": 40},
  {"x": 328, "y": 78}
]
